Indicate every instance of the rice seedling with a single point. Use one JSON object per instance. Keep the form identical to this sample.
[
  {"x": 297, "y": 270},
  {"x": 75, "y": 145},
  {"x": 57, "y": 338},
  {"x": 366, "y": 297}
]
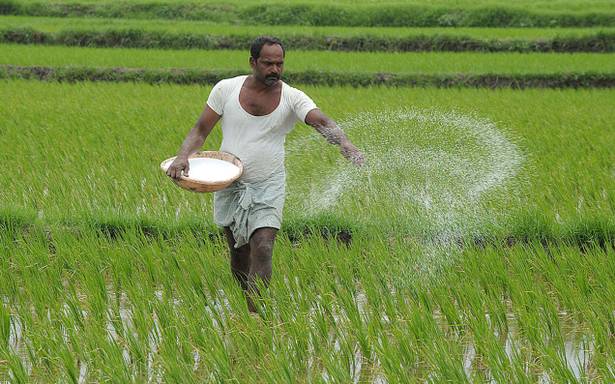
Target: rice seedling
[
  {"x": 557, "y": 4},
  {"x": 57, "y": 24},
  {"x": 486, "y": 14},
  {"x": 518, "y": 177},
  {"x": 342, "y": 62},
  {"x": 98, "y": 310},
  {"x": 479, "y": 235}
]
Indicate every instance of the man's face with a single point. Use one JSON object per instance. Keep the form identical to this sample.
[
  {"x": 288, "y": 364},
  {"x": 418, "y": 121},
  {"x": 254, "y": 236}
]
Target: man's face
[{"x": 270, "y": 64}]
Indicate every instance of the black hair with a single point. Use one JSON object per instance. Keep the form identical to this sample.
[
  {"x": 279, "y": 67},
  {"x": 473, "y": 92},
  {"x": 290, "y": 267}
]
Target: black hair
[{"x": 257, "y": 45}]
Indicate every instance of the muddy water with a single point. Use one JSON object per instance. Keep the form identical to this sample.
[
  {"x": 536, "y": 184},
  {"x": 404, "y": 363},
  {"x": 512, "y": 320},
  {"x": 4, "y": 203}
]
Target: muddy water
[{"x": 577, "y": 345}]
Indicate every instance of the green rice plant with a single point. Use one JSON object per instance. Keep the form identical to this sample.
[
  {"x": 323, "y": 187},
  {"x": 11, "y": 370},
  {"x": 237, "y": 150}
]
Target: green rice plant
[
  {"x": 120, "y": 126},
  {"x": 5, "y": 327},
  {"x": 189, "y": 76},
  {"x": 315, "y": 61},
  {"x": 545, "y": 334},
  {"x": 17, "y": 371},
  {"x": 594, "y": 5},
  {"x": 326, "y": 14},
  {"x": 325, "y": 311},
  {"x": 203, "y": 27},
  {"x": 406, "y": 40}
]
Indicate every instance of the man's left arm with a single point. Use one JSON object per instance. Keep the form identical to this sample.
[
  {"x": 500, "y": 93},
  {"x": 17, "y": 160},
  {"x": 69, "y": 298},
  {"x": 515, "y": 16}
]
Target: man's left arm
[{"x": 334, "y": 135}]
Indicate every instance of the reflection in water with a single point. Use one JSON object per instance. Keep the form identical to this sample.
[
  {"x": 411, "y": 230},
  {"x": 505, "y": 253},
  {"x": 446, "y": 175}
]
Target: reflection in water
[{"x": 578, "y": 348}]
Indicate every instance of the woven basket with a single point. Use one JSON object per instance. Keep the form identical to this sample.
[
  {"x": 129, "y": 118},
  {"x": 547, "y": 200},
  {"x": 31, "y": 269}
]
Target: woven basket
[{"x": 202, "y": 186}]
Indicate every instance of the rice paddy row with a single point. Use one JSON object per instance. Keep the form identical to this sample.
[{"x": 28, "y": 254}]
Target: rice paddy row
[
  {"x": 204, "y": 27},
  {"x": 367, "y": 15},
  {"x": 85, "y": 309},
  {"x": 459, "y": 258},
  {"x": 148, "y": 34},
  {"x": 318, "y": 61},
  {"x": 73, "y": 74},
  {"x": 130, "y": 38},
  {"x": 553, "y": 5},
  {"x": 526, "y": 171}
]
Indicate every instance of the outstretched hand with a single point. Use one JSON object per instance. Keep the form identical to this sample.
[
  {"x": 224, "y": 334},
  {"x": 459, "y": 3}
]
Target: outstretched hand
[
  {"x": 334, "y": 135},
  {"x": 352, "y": 153}
]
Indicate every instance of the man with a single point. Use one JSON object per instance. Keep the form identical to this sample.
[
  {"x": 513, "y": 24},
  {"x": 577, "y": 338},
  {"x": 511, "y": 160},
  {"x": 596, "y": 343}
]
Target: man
[{"x": 256, "y": 112}]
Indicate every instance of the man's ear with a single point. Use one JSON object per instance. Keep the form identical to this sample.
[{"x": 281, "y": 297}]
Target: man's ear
[{"x": 252, "y": 62}]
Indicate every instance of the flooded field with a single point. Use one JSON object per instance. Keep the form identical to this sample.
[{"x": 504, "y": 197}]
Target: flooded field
[{"x": 476, "y": 244}]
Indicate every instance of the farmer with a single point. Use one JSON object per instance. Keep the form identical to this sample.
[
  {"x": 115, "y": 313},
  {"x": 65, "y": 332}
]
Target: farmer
[{"x": 256, "y": 111}]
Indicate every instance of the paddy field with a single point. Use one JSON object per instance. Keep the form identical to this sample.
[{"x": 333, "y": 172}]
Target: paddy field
[{"x": 477, "y": 244}]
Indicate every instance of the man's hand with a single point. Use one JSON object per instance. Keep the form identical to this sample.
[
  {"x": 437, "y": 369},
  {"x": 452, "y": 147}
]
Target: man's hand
[
  {"x": 192, "y": 142},
  {"x": 177, "y": 166},
  {"x": 334, "y": 135},
  {"x": 352, "y": 153}
]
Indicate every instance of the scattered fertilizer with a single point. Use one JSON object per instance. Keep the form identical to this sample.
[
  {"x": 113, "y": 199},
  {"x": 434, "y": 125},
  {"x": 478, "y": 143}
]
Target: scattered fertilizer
[
  {"x": 433, "y": 159},
  {"x": 440, "y": 176}
]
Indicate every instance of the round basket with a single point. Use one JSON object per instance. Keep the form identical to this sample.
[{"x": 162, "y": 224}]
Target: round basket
[{"x": 195, "y": 185}]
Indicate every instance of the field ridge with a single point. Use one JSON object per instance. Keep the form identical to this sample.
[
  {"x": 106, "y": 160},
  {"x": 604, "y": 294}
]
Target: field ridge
[
  {"x": 136, "y": 38},
  {"x": 582, "y": 233},
  {"x": 319, "y": 14},
  {"x": 196, "y": 76}
]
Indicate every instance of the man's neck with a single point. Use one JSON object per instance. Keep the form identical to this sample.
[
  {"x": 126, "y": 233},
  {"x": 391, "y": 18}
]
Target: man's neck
[{"x": 259, "y": 86}]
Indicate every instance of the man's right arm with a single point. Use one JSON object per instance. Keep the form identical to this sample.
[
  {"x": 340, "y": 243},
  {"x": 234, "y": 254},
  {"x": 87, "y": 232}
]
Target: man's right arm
[{"x": 194, "y": 140}]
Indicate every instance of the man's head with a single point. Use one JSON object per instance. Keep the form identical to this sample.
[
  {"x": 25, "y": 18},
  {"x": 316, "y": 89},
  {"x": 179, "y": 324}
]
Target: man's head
[{"x": 267, "y": 59}]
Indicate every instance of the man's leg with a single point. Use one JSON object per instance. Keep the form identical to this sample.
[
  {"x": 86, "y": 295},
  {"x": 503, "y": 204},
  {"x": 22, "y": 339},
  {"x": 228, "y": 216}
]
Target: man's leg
[
  {"x": 261, "y": 252},
  {"x": 240, "y": 259}
]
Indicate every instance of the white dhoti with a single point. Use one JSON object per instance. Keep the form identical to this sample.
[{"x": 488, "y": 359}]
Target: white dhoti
[{"x": 245, "y": 207}]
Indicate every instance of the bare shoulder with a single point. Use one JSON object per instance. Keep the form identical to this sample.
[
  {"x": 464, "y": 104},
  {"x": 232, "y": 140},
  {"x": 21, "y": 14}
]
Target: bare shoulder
[{"x": 291, "y": 91}]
